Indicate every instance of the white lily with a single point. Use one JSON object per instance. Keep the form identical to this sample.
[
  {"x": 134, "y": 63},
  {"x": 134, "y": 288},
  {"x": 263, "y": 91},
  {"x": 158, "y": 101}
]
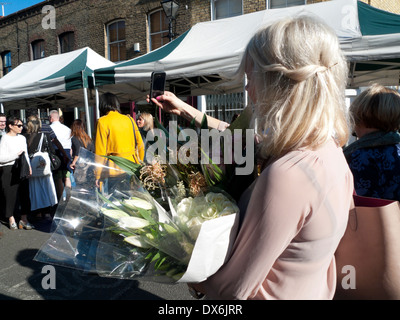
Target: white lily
[
  {"x": 137, "y": 241},
  {"x": 133, "y": 222},
  {"x": 135, "y": 202},
  {"x": 114, "y": 213}
]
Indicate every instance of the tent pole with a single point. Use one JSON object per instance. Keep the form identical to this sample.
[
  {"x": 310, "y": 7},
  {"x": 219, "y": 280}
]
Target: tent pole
[
  {"x": 245, "y": 95},
  {"x": 97, "y": 104},
  {"x": 88, "y": 126}
]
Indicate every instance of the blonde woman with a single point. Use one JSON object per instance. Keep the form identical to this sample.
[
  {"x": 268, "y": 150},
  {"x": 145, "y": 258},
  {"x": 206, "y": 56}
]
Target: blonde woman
[
  {"x": 145, "y": 124},
  {"x": 145, "y": 121},
  {"x": 374, "y": 158},
  {"x": 42, "y": 190},
  {"x": 299, "y": 205}
]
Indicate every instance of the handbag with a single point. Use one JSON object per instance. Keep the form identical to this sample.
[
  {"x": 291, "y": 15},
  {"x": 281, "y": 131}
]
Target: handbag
[
  {"x": 134, "y": 135},
  {"x": 55, "y": 161},
  {"x": 21, "y": 167},
  {"x": 40, "y": 162},
  {"x": 368, "y": 255}
]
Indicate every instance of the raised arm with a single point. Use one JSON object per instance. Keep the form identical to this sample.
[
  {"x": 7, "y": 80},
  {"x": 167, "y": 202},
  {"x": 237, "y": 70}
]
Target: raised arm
[{"x": 172, "y": 104}]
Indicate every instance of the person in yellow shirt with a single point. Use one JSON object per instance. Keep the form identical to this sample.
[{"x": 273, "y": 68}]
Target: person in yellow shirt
[{"x": 116, "y": 134}]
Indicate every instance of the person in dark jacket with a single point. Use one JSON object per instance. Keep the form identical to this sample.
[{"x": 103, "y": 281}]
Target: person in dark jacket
[{"x": 374, "y": 158}]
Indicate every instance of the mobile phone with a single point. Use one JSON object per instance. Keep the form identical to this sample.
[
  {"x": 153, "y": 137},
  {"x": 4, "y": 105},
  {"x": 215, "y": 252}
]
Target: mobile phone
[{"x": 157, "y": 85}]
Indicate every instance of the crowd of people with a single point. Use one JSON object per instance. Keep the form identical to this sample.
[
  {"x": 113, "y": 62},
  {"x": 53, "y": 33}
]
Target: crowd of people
[
  {"x": 37, "y": 197},
  {"x": 27, "y": 200},
  {"x": 296, "y": 211}
]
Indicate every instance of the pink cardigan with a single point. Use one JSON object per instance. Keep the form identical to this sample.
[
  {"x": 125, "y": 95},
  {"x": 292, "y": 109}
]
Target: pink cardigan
[{"x": 294, "y": 221}]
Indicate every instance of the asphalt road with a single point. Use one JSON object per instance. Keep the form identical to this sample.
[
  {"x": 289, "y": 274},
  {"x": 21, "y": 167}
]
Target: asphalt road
[{"x": 21, "y": 277}]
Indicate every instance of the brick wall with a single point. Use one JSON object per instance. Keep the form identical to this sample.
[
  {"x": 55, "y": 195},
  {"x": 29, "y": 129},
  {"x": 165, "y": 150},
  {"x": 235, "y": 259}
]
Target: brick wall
[
  {"x": 387, "y": 5},
  {"x": 87, "y": 19}
]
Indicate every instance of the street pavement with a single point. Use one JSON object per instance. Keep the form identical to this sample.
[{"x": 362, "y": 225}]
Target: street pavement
[{"x": 21, "y": 277}]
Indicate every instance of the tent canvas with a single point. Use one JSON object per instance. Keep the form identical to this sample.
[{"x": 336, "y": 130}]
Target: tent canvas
[
  {"x": 52, "y": 78},
  {"x": 50, "y": 75},
  {"x": 209, "y": 53}
]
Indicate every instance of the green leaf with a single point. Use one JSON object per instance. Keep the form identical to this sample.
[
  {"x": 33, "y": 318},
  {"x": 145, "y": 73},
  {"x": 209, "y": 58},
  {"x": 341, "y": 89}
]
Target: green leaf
[
  {"x": 106, "y": 200},
  {"x": 156, "y": 257},
  {"x": 125, "y": 164},
  {"x": 146, "y": 215},
  {"x": 192, "y": 124},
  {"x": 160, "y": 262},
  {"x": 204, "y": 122}
]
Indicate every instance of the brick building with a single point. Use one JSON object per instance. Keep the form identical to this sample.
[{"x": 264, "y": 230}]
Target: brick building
[{"x": 119, "y": 29}]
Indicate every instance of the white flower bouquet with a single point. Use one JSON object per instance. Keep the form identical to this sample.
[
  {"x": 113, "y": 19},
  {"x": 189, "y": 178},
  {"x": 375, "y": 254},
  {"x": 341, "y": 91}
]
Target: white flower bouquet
[{"x": 125, "y": 233}]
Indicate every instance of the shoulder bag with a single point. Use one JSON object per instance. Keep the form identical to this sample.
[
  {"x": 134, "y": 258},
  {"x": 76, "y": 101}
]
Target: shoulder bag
[
  {"x": 55, "y": 161},
  {"x": 21, "y": 167},
  {"x": 134, "y": 134},
  {"x": 368, "y": 255},
  {"x": 40, "y": 161}
]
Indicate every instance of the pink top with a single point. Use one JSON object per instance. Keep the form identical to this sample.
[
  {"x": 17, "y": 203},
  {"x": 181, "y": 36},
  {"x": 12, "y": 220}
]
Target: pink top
[{"x": 295, "y": 219}]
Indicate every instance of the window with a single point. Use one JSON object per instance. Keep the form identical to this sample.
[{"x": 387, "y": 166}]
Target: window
[
  {"x": 116, "y": 41},
  {"x": 6, "y": 62},
  {"x": 67, "y": 41},
  {"x": 274, "y": 4},
  {"x": 158, "y": 29},
  {"x": 226, "y": 8},
  {"x": 37, "y": 49}
]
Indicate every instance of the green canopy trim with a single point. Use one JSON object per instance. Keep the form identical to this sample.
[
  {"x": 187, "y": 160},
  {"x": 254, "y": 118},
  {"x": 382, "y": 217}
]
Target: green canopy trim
[
  {"x": 107, "y": 75},
  {"x": 374, "y": 21},
  {"x": 75, "y": 78}
]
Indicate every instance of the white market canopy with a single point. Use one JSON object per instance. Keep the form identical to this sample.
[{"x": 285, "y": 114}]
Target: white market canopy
[
  {"x": 209, "y": 53},
  {"x": 54, "y": 74},
  {"x": 52, "y": 81}
]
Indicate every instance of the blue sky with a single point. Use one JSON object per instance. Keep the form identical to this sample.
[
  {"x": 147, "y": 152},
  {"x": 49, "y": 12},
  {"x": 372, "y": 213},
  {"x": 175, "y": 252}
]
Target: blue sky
[{"x": 11, "y": 6}]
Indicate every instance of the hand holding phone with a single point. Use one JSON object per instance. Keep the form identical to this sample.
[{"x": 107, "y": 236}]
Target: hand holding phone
[{"x": 157, "y": 86}]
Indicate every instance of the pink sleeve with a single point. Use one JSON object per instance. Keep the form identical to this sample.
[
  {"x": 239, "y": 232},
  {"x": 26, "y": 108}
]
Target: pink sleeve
[{"x": 276, "y": 212}]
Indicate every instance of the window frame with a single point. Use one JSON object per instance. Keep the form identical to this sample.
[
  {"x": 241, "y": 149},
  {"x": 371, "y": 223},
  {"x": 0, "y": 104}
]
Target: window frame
[
  {"x": 6, "y": 68},
  {"x": 270, "y": 6},
  {"x": 42, "y": 52},
  {"x": 214, "y": 9},
  {"x": 163, "y": 22},
  {"x": 71, "y": 42},
  {"x": 118, "y": 41}
]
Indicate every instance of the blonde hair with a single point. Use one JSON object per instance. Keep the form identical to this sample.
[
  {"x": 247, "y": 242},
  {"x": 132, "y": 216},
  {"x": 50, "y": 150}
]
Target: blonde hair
[
  {"x": 299, "y": 74},
  {"x": 377, "y": 107},
  {"x": 33, "y": 124},
  {"x": 148, "y": 121}
]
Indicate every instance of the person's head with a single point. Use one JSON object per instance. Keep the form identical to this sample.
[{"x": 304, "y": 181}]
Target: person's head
[
  {"x": 54, "y": 116},
  {"x": 378, "y": 108},
  {"x": 145, "y": 121},
  {"x": 108, "y": 102},
  {"x": 34, "y": 124},
  {"x": 296, "y": 79},
  {"x": 78, "y": 130},
  {"x": 14, "y": 125},
  {"x": 3, "y": 121}
]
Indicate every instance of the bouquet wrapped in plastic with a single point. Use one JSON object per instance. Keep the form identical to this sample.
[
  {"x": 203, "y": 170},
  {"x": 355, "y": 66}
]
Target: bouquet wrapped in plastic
[{"x": 122, "y": 230}]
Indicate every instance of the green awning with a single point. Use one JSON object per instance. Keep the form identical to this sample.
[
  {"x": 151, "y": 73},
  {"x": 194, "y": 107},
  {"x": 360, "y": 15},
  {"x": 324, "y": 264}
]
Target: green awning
[
  {"x": 107, "y": 75},
  {"x": 374, "y": 21}
]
